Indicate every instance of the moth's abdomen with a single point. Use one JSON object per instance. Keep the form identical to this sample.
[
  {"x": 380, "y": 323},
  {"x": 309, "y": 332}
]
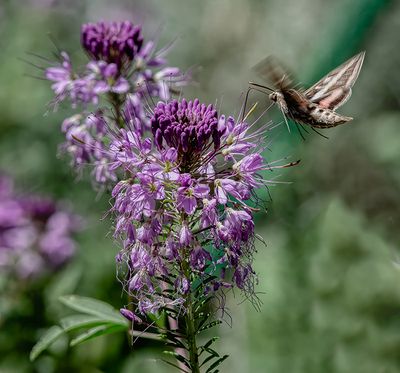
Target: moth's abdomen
[{"x": 325, "y": 118}]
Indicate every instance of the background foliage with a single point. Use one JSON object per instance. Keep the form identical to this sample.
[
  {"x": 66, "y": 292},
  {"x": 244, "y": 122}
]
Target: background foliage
[{"x": 329, "y": 277}]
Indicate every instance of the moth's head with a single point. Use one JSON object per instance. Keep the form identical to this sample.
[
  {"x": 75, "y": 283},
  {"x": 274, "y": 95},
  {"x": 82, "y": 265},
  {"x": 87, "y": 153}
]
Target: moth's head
[{"x": 275, "y": 96}]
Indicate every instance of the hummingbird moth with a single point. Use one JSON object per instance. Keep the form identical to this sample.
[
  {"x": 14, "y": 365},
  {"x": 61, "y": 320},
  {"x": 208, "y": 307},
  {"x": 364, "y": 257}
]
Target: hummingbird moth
[{"x": 316, "y": 105}]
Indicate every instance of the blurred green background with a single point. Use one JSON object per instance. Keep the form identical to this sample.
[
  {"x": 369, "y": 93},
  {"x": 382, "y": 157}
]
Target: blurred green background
[{"x": 329, "y": 277}]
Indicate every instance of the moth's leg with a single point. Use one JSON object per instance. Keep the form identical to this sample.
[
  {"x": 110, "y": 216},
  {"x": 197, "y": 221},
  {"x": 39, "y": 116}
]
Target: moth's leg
[
  {"x": 285, "y": 118},
  {"x": 319, "y": 133},
  {"x": 300, "y": 127}
]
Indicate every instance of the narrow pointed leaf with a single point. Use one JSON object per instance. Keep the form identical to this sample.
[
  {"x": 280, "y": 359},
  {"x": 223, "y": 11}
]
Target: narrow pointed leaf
[
  {"x": 145, "y": 335},
  {"x": 74, "y": 322},
  {"x": 178, "y": 357},
  {"x": 218, "y": 362},
  {"x": 175, "y": 366},
  {"x": 210, "y": 325},
  {"x": 175, "y": 344},
  {"x": 211, "y": 351},
  {"x": 45, "y": 341},
  {"x": 208, "y": 344},
  {"x": 203, "y": 321},
  {"x": 93, "y": 307},
  {"x": 96, "y": 332},
  {"x": 159, "y": 320},
  {"x": 207, "y": 359}
]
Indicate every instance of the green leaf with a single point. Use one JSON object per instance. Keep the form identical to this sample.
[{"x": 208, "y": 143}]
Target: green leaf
[
  {"x": 197, "y": 284},
  {"x": 93, "y": 307},
  {"x": 203, "y": 302},
  {"x": 204, "y": 317},
  {"x": 207, "y": 359},
  {"x": 208, "y": 344},
  {"x": 218, "y": 362},
  {"x": 174, "y": 365},
  {"x": 175, "y": 343},
  {"x": 178, "y": 357},
  {"x": 173, "y": 335},
  {"x": 45, "y": 341},
  {"x": 159, "y": 320},
  {"x": 211, "y": 351},
  {"x": 96, "y": 332},
  {"x": 74, "y": 322},
  {"x": 210, "y": 325}
]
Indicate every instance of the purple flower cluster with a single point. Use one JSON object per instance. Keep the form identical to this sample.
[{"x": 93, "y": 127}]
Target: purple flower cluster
[
  {"x": 35, "y": 234},
  {"x": 187, "y": 127},
  {"x": 181, "y": 210},
  {"x": 123, "y": 71},
  {"x": 99, "y": 78},
  {"x": 116, "y": 42},
  {"x": 86, "y": 139}
]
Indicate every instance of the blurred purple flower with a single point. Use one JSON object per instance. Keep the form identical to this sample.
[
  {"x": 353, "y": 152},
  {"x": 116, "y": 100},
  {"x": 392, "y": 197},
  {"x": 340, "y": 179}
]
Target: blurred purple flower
[{"x": 35, "y": 234}]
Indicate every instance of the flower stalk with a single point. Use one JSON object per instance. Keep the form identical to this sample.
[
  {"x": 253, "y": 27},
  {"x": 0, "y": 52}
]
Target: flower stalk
[{"x": 191, "y": 336}]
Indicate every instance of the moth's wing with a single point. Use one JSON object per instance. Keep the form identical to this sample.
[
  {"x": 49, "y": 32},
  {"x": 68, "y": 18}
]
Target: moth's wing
[
  {"x": 272, "y": 70},
  {"x": 334, "y": 89}
]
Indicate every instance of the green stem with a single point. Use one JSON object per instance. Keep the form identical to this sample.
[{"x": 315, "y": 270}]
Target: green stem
[
  {"x": 189, "y": 318},
  {"x": 117, "y": 104},
  {"x": 191, "y": 336}
]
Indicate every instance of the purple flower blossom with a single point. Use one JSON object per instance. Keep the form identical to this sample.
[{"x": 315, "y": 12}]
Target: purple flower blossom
[
  {"x": 85, "y": 142},
  {"x": 226, "y": 187},
  {"x": 106, "y": 78},
  {"x": 199, "y": 258},
  {"x": 35, "y": 234},
  {"x": 134, "y": 114},
  {"x": 61, "y": 75},
  {"x": 185, "y": 236},
  {"x": 182, "y": 285},
  {"x": 189, "y": 193},
  {"x": 67, "y": 84},
  {"x": 129, "y": 315},
  {"x": 247, "y": 168},
  {"x": 116, "y": 42},
  {"x": 209, "y": 214},
  {"x": 187, "y": 126}
]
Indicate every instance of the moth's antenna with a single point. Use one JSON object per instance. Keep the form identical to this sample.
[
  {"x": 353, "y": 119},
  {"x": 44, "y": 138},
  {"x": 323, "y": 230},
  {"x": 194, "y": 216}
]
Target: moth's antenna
[{"x": 261, "y": 86}]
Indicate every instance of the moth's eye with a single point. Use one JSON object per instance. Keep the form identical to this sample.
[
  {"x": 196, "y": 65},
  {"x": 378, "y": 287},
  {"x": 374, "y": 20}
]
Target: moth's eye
[{"x": 273, "y": 96}]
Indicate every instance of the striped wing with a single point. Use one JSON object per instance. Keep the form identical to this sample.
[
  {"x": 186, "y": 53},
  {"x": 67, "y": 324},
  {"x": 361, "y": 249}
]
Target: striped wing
[{"x": 334, "y": 89}]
